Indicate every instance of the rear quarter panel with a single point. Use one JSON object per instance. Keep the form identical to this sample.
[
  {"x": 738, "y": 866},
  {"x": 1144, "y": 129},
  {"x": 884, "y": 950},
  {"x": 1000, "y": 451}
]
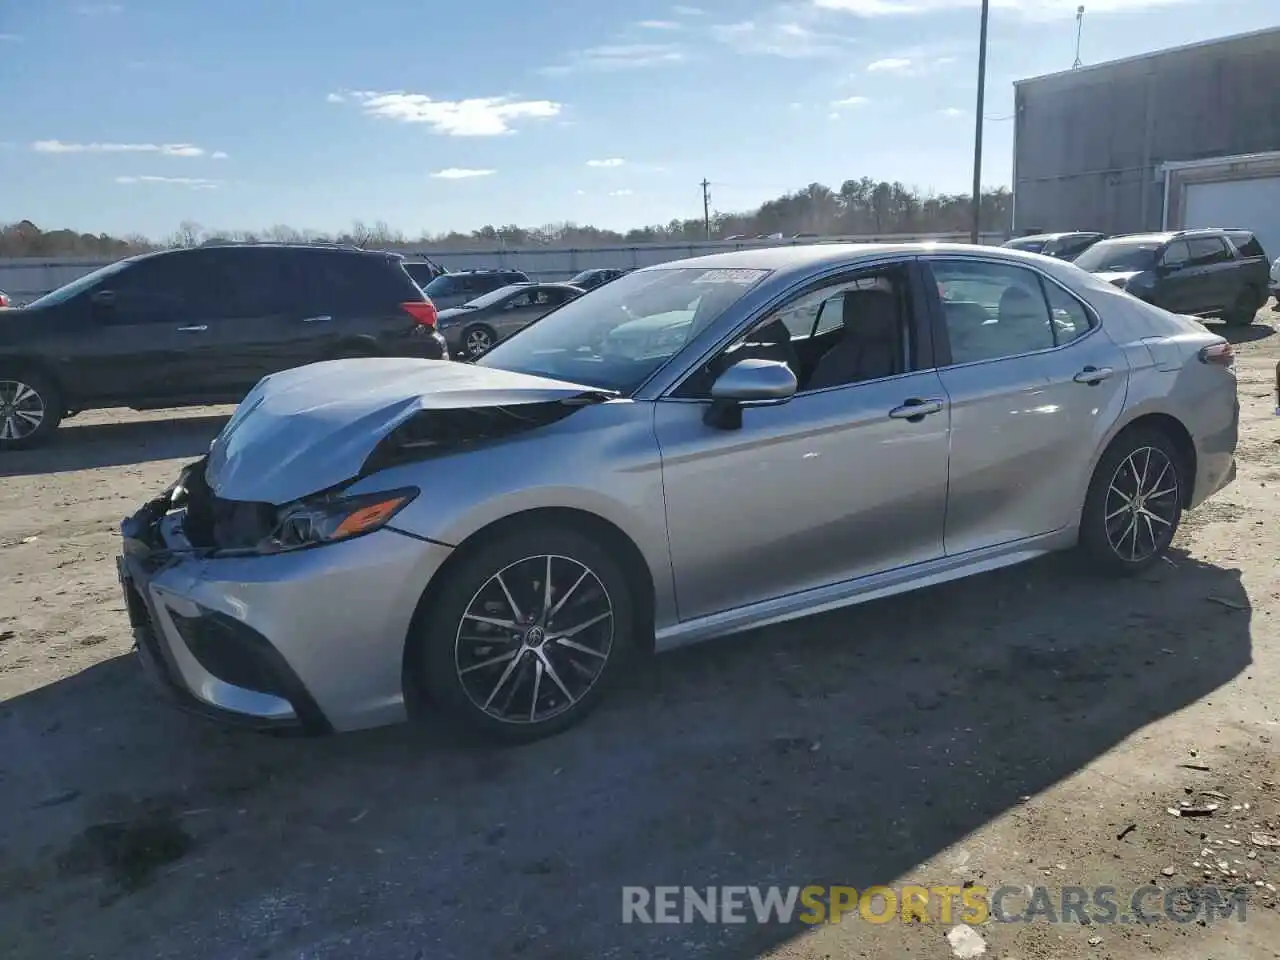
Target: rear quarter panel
[{"x": 1166, "y": 377}]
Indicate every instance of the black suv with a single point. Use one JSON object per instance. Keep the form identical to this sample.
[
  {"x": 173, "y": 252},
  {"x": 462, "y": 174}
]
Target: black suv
[
  {"x": 455, "y": 289},
  {"x": 199, "y": 326},
  {"x": 1203, "y": 272}
]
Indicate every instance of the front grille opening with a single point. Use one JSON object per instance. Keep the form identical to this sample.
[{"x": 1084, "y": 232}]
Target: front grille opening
[{"x": 222, "y": 524}]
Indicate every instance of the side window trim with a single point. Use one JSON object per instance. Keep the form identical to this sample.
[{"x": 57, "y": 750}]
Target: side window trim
[
  {"x": 922, "y": 339},
  {"x": 942, "y": 337}
]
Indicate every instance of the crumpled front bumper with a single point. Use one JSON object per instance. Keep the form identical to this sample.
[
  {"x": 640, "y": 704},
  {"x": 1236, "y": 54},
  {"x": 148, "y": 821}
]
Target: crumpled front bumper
[{"x": 311, "y": 640}]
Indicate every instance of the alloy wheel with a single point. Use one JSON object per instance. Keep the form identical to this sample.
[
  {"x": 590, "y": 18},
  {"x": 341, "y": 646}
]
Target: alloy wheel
[
  {"x": 478, "y": 342},
  {"x": 534, "y": 639},
  {"x": 22, "y": 410},
  {"x": 1141, "y": 504}
]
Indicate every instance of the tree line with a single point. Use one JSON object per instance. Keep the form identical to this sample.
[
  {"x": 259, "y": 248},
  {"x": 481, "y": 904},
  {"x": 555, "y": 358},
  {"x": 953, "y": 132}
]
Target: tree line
[{"x": 859, "y": 207}]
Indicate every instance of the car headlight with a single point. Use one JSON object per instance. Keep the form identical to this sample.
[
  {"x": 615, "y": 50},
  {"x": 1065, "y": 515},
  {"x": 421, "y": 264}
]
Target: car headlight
[{"x": 315, "y": 522}]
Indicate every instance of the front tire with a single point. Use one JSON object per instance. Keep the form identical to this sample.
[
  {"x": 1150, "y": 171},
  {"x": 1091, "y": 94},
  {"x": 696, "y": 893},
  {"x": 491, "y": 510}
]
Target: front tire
[
  {"x": 505, "y": 656},
  {"x": 1134, "y": 504},
  {"x": 31, "y": 407}
]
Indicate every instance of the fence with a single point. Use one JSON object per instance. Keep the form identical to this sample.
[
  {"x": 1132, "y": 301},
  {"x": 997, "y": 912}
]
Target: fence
[{"x": 24, "y": 279}]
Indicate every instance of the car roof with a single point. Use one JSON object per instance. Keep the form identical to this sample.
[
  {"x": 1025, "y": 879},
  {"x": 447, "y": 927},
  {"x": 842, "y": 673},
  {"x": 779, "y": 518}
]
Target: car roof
[{"x": 807, "y": 258}]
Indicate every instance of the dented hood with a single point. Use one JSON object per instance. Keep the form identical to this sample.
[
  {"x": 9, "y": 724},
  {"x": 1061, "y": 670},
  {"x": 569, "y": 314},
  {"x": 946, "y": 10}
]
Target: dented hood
[{"x": 307, "y": 429}]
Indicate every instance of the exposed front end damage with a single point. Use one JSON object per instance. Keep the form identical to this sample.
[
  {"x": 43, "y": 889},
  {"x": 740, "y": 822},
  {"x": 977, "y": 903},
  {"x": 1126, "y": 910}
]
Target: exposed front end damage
[{"x": 250, "y": 580}]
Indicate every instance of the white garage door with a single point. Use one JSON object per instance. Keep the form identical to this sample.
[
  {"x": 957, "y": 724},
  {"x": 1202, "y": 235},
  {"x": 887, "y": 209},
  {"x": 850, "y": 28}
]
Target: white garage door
[{"x": 1251, "y": 204}]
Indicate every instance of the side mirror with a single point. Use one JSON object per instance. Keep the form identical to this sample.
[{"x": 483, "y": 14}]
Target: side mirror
[{"x": 749, "y": 383}]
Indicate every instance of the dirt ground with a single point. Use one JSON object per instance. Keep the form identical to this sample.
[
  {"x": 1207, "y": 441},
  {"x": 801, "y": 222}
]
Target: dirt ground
[{"x": 1032, "y": 726}]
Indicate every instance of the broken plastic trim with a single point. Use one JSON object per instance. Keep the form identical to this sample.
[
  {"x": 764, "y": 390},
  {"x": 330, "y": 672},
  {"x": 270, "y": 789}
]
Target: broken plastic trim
[{"x": 430, "y": 433}]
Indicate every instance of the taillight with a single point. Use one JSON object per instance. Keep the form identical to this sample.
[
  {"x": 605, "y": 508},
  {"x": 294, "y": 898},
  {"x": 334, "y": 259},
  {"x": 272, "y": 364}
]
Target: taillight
[
  {"x": 4, "y": 300},
  {"x": 1220, "y": 354},
  {"x": 422, "y": 311}
]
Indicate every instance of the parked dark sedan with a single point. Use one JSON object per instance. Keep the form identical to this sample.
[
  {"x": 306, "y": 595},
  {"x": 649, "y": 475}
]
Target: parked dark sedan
[
  {"x": 590, "y": 279},
  {"x": 1063, "y": 246},
  {"x": 473, "y": 328}
]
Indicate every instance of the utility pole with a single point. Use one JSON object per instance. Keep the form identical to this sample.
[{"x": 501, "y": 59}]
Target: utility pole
[
  {"x": 974, "y": 231},
  {"x": 1079, "y": 30},
  {"x": 706, "y": 207}
]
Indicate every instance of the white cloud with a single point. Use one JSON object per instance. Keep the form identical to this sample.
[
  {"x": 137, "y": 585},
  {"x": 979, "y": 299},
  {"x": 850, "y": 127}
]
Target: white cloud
[
  {"x": 195, "y": 183},
  {"x": 218, "y": 155},
  {"x": 335, "y": 98},
  {"x": 620, "y": 193},
  {"x": 659, "y": 25},
  {"x": 474, "y": 117},
  {"x": 1030, "y": 9},
  {"x": 579, "y": 193},
  {"x": 833, "y": 116},
  {"x": 953, "y": 112},
  {"x": 10, "y": 38},
  {"x": 888, "y": 64},
  {"x": 787, "y": 39},
  {"x": 943, "y": 61},
  {"x": 683, "y": 11},
  {"x": 850, "y": 102},
  {"x": 621, "y": 56},
  {"x": 611, "y": 162},
  {"x": 167, "y": 149},
  {"x": 461, "y": 173}
]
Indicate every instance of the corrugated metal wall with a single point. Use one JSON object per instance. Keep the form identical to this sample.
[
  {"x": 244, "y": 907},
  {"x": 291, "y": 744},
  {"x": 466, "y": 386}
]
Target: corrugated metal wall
[
  {"x": 26, "y": 279},
  {"x": 1089, "y": 143}
]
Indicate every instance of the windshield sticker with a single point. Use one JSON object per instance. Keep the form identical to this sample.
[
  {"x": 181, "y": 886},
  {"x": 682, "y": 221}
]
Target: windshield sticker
[{"x": 744, "y": 277}]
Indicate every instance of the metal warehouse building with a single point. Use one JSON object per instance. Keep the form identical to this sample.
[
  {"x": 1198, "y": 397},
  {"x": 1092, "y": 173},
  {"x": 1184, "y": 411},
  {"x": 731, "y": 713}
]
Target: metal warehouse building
[{"x": 1187, "y": 137}]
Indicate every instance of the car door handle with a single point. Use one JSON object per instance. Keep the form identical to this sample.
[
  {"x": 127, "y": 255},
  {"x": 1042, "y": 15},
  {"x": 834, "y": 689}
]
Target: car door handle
[
  {"x": 916, "y": 409},
  {"x": 316, "y": 319},
  {"x": 197, "y": 328},
  {"x": 1093, "y": 375}
]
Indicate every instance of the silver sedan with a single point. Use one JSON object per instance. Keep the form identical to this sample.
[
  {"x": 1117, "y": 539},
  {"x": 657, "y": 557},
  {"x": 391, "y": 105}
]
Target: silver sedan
[{"x": 694, "y": 449}]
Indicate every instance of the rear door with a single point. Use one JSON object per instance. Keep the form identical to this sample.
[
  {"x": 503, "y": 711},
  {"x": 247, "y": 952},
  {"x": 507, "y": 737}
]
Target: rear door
[
  {"x": 261, "y": 324},
  {"x": 1033, "y": 383},
  {"x": 516, "y": 312},
  {"x": 352, "y": 304}
]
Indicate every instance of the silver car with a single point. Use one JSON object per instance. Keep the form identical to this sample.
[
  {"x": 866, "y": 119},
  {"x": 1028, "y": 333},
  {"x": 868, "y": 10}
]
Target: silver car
[
  {"x": 473, "y": 328},
  {"x": 694, "y": 449}
]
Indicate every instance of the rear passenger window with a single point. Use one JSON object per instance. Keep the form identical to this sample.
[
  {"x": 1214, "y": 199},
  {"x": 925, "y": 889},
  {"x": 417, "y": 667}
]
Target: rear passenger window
[
  {"x": 346, "y": 284},
  {"x": 992, "y": 310},
  {"x": 1070, "y": 319},
  {"x": 1207, "y": 250}
]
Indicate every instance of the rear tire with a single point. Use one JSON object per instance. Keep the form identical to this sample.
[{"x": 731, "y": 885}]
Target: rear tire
[
  {"x": 1244, "y": 309},
  {"x": 1134, "y": 504},
  {"x": 525, "y": 680},
  {"x": 477, "y": 340},
  {"x": 31, "y": 407}
]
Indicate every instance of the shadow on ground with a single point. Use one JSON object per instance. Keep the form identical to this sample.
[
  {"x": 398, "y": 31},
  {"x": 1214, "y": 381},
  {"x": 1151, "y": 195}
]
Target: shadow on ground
[
  {"x": 1258, "y": 330},
  {"x": 87, "y": 446},
  {"x": 844, "y": 748}
]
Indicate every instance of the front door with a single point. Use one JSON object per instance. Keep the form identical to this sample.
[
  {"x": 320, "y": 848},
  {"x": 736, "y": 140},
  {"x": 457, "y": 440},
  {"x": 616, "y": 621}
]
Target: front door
[
  {"x": 833, "y": 485},
  {"x": 1033, "y": 386}
]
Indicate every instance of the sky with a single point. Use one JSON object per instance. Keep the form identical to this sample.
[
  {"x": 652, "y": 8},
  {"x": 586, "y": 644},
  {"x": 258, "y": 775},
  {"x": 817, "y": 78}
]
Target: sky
[{"x": 431, "y": 115}]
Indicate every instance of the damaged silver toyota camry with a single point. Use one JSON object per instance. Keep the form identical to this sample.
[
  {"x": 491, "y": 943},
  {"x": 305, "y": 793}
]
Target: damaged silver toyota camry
[{"x": 694, "y": 449}]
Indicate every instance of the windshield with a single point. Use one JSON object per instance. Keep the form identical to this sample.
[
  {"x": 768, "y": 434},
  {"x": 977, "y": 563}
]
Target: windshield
[
  {"x": 493, "y": 296},
  {"x": 1114, "y": 256},
  {"x": 616, "y": 336},
  {"x": 79, "y": 285},
  {"x": 584, "y": 277}
]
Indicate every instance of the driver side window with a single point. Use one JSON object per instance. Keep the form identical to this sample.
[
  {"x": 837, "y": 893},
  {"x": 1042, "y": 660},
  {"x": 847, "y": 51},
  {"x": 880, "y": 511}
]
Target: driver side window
[{"x": 843, "y": 332}]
